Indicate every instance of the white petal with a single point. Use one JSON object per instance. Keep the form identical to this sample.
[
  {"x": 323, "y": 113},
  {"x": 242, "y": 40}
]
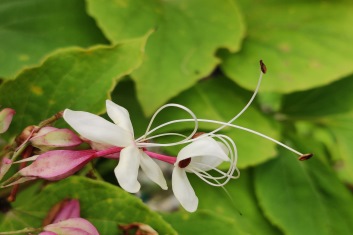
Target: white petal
[
  {"x": 127, "y": 170},
  {"x": 204, "y": 163},
  {"x": 183, "y": 191},
  {"x": 120, "y": 116},
  {"x": 97, "y": 129},
  {"x": 203, "y": 147},
  {"x": 152, "y": 170}
]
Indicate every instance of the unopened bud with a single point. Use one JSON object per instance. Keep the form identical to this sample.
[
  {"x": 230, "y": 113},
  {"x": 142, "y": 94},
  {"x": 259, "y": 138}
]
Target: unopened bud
[
  {"x": 57, "y": 164},
  {"x": 51, "y": 137},
  {"x": 25, "y": 134},
  {"x": 70, "y": 227},
  {"x": 5, "y": 119},
  {"x": 65, "y": 209},
  {"x": 139, "y": 228},
  {"x": 4, "y": 166}
]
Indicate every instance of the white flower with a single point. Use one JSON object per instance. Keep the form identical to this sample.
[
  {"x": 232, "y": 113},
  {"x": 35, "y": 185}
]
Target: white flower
[
  {"x": 120, "y": 134},
  {"x": 202, "y": 155}
]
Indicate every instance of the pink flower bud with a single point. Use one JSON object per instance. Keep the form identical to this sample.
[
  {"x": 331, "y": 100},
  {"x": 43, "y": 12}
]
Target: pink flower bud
[
  {"x": 57, "y": 164},
  {"x": 73, "y": 226},
  {"x": 5, "y": 119},
  {"x": 54, "y": 137},
  {"x": 48, "y": 233},
  {"x": 4, "y": 166},
  {"x": 69, "y": 209}
]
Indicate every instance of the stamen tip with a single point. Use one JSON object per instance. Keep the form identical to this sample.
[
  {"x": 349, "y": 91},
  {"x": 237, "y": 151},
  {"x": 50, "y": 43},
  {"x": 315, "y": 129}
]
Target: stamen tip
[
  {"x": 263, "y": 67},
  {"x": 305, "y": 157}
]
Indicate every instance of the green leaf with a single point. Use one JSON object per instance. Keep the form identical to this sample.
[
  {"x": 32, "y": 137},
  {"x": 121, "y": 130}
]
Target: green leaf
[
  {"x": 29, "y": 30},
  {"x": 303, "y": 43},
  {"x": 103, "y": 204},
  {"x": 314, "y": 103},
  {"x": 182, "y": 49},
  {"x": 73, "y": 78},
  {"x": 329, "y": 108},
  {"x": 220, "y": 99},
  {"x": 303, "y": 197},
  {"x": 235, "y": 202},
  {"x": 204, "y": 222},
  {"x": 341, "y": 129}
]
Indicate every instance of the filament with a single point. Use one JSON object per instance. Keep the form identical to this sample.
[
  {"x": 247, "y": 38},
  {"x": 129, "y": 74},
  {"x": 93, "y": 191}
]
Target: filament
[
  {"x": 148, "y": 131},
  {"x": 245, "y": 107}
]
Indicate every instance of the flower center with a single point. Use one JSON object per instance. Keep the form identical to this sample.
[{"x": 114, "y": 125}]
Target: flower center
[{"x": 184, "y": 163}]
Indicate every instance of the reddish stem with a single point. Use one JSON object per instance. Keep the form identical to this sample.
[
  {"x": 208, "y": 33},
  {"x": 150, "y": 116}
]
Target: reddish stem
[
  {"x": 161, "y": 157},
  {"x": 109, "y": 151}
]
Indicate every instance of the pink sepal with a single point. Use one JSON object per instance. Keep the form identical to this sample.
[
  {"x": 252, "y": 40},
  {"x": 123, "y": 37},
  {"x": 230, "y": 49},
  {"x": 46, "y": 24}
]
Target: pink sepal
[
  {"x": 5, "y": 119},
  {"x": 58, "y": 164},
  {"x": 54, "y": 137},
  {"x": 73, "y": 226}
]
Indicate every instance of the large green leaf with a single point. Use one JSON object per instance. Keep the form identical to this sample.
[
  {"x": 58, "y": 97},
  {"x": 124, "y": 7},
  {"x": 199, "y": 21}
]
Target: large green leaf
[
  {"x": 341, "y": 129},
  {"x": 330, "y": 109},
  {"x": 105, "y": 205},
  {"x": 231, "y": 212},
  {"x": 304, "y": 44},
  {"x": 204, "y": 222},
  {"x": 303, "y": 197},
  {"x": 74, "y": 78},
  {"x": 29, "y": 30},
  {"x": 182, "y": 49},
  {"x": 220, "y": 99},
  {"x": 332, "y": 99},
  {"x": 236, "y": 202}
]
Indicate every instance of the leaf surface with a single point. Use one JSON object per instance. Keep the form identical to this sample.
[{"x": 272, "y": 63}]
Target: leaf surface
[
  {"x": 303, "y": 197},
  {"x": 103, "y": 204},
  {"x": 303, "y": 43},
  {"x": 79, "y": 79},
  {"x": 30, "y": 30},
  {"x": 182, "y": 48}
]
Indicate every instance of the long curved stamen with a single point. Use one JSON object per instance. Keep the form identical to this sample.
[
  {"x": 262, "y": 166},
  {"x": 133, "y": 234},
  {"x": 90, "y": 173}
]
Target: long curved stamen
[
  {"x": 222, "y": 174},
  {"x": 253, "y": 132},
  {"x": 201, "y": 176},
  {"x": 215, "y": 178},
  {"x": 245, "y": 107},
  {"x": 237, "y": 127},
  {"x": 162, "y": 135},
  {"x": 233, "y": 154},
  {"x": 148, "y": 131},
  {"x": 224, "y": 124}
]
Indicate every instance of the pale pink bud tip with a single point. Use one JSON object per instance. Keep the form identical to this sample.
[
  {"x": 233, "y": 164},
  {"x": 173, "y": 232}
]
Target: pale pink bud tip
[
  {"x": 73, "y": 226},
  {"x": 70, "y": 209},
  {"x": 5, "y": 119},
  {"x": 139, "y": 228},
  {"x": 4, "y": 166},
  {"x": 54, "y": 137},
  {"x": 58, "y": 164}
]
